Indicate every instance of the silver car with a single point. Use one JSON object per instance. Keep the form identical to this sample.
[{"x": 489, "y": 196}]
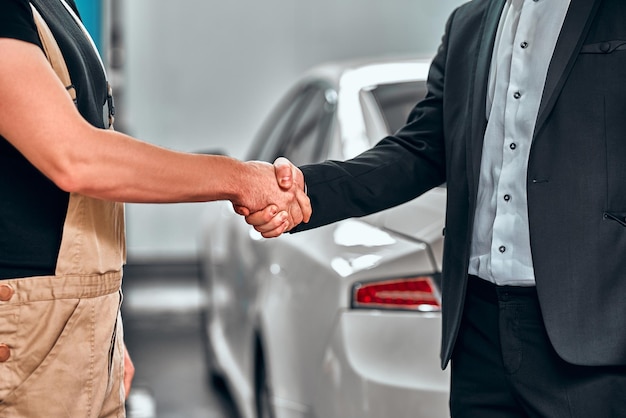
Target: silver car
[{"x": 344, "y": 320}]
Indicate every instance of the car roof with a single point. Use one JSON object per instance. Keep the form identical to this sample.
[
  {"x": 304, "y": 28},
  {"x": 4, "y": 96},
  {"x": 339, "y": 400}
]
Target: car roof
[{"x": 364, "y": 72}]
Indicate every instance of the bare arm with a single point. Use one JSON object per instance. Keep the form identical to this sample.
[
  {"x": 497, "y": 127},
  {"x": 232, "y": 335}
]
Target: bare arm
[{"x": 39, "y": 119}]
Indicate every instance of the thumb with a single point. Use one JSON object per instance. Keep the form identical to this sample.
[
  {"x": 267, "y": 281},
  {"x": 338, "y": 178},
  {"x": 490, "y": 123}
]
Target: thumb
[{"x": 284, "y": 172}]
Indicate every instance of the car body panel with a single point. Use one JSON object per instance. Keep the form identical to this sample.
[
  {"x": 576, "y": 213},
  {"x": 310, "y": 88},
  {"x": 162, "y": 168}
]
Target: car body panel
[{"x": 392, "y": 372}]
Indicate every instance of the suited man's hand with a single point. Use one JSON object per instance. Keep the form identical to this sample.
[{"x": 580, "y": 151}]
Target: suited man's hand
[{"x": 268, "y": 221}]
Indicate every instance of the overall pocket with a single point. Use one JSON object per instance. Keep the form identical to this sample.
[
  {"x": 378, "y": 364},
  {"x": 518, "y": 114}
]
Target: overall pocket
[
  {"x": 39, "y": 330},
  {"x": 9, "y": 319}
]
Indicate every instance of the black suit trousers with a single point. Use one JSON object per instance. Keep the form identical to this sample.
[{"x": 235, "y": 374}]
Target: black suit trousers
[{"x": 503, "y": 364}]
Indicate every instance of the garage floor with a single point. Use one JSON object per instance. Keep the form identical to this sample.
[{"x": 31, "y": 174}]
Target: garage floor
[{"x": 162, "y": 332}]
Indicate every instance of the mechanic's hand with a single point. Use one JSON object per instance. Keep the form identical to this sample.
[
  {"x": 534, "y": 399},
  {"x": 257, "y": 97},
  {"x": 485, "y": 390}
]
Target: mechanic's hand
[
  {"x": 129, "y": 372},
  {"x": 275, "y": 201},
  {"x": 269, "y": 222}
]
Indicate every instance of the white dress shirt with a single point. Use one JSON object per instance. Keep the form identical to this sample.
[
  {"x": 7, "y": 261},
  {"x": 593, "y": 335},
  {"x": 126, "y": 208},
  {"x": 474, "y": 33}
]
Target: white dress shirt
[{"x": 524, "y": 44}]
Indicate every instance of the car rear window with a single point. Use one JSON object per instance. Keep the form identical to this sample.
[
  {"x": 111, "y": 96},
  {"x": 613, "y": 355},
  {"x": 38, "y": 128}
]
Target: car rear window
[{"x": 397, "y": 100}]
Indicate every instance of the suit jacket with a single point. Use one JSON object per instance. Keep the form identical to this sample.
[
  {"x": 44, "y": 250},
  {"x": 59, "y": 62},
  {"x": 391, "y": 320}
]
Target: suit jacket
[{"x": 576, "y": 181}]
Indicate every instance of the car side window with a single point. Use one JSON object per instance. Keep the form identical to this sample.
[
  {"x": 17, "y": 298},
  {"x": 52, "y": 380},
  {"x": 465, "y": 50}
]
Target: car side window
[
  {"x": 306, "y": 138},
  {"x": 268, "y": 142},
  {"x": 300, "y": 126}
]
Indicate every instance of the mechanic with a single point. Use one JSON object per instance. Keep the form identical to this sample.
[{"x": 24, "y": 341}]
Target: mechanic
[{"x": 63, "y": 175}]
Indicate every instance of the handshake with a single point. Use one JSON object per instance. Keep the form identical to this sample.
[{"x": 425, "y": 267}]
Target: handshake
[{"x": 272, "y": 198}]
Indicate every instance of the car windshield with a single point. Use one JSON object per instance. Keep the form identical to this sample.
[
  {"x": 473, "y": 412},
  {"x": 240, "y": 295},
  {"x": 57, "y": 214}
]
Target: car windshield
[{"x": 397, "y": 100}]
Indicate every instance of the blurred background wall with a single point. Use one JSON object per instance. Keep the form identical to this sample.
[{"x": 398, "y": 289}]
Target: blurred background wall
[{"x": 201, "y": 74}]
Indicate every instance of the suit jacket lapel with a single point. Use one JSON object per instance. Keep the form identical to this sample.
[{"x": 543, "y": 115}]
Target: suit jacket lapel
[
  {"x": 575, "y": 27},
  {"x": 478, "y": 99}
]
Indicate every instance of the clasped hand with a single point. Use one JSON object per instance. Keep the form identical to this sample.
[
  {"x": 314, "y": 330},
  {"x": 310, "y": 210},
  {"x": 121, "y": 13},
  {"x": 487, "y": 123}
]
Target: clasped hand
[{"x": 277, "y": 202}]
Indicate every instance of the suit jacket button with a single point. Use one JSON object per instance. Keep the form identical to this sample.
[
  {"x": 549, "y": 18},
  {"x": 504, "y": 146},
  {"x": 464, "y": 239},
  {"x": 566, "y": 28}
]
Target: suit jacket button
[
  {"x": 6, "y": 292},
  {"x": 5, "y": 353}
]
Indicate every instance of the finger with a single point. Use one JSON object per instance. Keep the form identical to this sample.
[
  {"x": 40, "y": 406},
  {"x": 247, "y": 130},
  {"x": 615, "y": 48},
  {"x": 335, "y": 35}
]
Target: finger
[
  {"x": 295, "y": 213},
  {"x": 305, "y": 205},
  {"x": 295, "y": 217},
  {"x": 273, "y": 223},
  {"x": 277, "y": 231},
  {"x": 284, "y": 172},
  {"x": 263, "y": 216}
]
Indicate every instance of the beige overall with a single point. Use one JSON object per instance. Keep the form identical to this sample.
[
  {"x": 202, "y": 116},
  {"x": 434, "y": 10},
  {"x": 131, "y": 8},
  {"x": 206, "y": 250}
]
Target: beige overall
[{"x": 61, "y": 338}]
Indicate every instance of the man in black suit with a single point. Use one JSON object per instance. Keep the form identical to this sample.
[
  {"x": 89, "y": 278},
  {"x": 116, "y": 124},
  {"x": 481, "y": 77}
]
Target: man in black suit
[{"x": 525, "y": 120}]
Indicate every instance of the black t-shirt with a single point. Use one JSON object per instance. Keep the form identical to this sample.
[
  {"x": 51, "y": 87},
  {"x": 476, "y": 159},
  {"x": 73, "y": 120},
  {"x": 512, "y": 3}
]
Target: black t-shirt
[{"x": 32, "y": 208}]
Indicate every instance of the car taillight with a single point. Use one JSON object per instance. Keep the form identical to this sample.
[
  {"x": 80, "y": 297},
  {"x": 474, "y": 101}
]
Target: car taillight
[{"x": 412, "y": 293}]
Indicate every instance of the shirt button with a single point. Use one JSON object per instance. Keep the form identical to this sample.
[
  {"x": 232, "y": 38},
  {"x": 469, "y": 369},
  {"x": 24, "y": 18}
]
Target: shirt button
[
  {"x": 6, "y": 293},
  {"x": 5, "y": 353},
  {"x": 507, "y": 197},
  {"x": 524, "y": 45},
  {"x": 517, "y": 94},
  {"x": 513, "y": 145},
  {"x": 502, "y": 249}
]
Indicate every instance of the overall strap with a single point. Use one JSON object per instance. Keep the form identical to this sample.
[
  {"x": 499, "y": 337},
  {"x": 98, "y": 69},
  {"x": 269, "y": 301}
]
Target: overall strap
[
  {"x": 93, "y": 242},
  {"x": 53, "y": 53}
]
